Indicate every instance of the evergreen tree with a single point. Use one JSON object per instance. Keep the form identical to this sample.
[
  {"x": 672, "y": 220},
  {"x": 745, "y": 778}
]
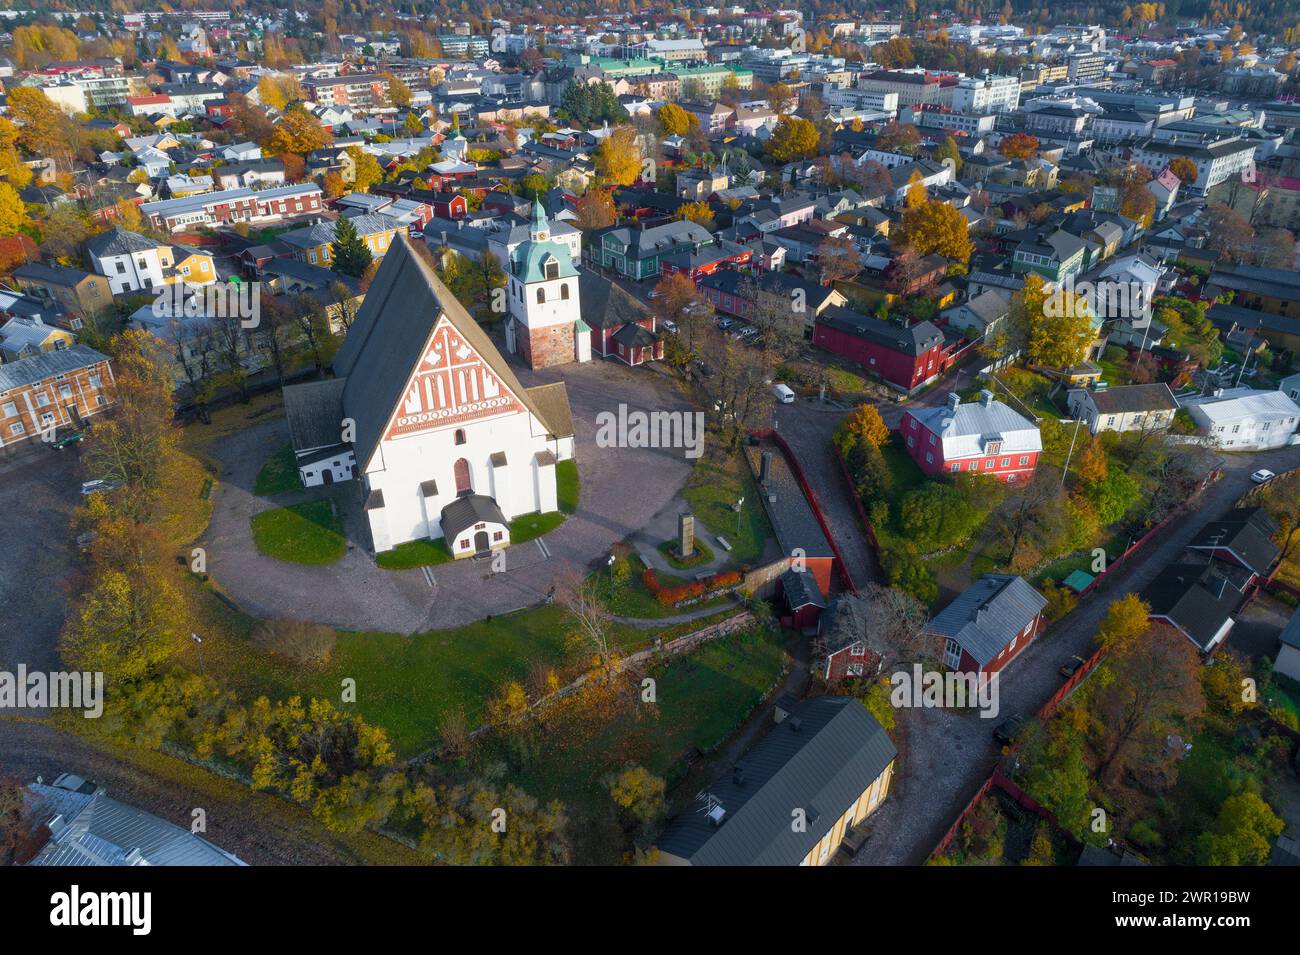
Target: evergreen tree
[{"x": 349, "y": 254}]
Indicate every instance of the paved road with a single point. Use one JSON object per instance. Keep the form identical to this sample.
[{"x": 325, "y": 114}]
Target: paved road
[
  {"x": 946, "y": 756},
  {"x": 37, "y": 497},
  {"x": 257, "y": 827}
]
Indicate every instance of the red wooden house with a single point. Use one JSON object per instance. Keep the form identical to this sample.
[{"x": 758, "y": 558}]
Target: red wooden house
[
  {"x": 988, "y": 625},
  {"x": 905, "y": 358},
  {"x": 803, "y": 600},
  {"x": 621, "y": 326},
  {"x": 987, "y": 437}
]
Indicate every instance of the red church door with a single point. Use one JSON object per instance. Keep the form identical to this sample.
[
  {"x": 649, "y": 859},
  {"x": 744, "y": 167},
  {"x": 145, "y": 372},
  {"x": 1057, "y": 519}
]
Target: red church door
[{"x": 462, "y": 477}]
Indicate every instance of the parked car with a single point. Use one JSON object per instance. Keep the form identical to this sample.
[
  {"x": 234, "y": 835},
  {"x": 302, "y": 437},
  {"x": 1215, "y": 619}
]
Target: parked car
[
  {"x": 1071, "y": 666},
  {"x": 1262, "y": 476},
  {"x": 670, "y": 326},
  {"x": 68, "y": 439},
  {"x": 1009, "y": 729},
  {"x": 75, "y": 784},
  {"x": 783, "y": 394},
  {"x": 98, "y": 486},
  {"x": 725, "y": 323}
]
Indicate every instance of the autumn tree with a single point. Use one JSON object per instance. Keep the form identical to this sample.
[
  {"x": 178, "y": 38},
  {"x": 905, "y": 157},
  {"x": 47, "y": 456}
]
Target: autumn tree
[
  {"x": 133, "y": 439},
  {"x": 13, "y": 211},
  {"x": 44, "y": 129},
  {"x": 618, "y": 160},
  {"x": 595, "y": 209},
  {"x": 674, "y": 120},
  {"x": 591, "y": 623},
  {"x": 935, "y": 227},
  {"x": 638, "y": 794},
  {"x": 1228, "y": 232},
  {"x": 898, "y": 137},
  {"x": 1243, "y": 833},
  {"x": 1184, "y": 169},
  {"x": 1153, "y": 683},
  {"x": 366, "y": 169},
  {"x": 399, "y": 94},
  {"x": 456, "y": 825},
  {"x": 863, "y": 424},
  {"x": 1056, "y": 328},
  {"x": 780, "y": 98},
  {"x": 298, "y": 132},
  {"x": 838, "y": 258},
  {"x": 1127, "y": 619},
  {"x": 1092, "y": 461},
  {"x": 698, "y": 212},
  {"x": 1019, "y": 146},
  {"x": 947, "y": 151},
  {"x": 130, "y": 618},
  {"x": 793, "y": 138}
]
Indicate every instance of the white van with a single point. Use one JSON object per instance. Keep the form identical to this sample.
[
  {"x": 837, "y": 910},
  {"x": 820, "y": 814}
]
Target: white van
[{"x": 783, "y": 394}]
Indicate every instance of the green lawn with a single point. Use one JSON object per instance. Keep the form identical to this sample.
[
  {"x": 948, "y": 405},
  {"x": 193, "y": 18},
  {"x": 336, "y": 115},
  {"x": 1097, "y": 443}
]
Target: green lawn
[
  {"x": 526, "y": 527},
  {"x": 566, "y": 485},
  {"x": 417, "y": 553},
  {"x": 717, "y": 481},
  {"x": 1285, "y": 692},
  {"x": 307, "y": 533},
  {"x": 278, "y": 475},
  {"x": 702, "y": 697}
]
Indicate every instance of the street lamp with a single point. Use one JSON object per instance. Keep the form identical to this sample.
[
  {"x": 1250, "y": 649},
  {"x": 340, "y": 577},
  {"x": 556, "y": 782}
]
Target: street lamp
[
  {"x": 198, "y": 648},
  {"x": 739, "y": 504}
]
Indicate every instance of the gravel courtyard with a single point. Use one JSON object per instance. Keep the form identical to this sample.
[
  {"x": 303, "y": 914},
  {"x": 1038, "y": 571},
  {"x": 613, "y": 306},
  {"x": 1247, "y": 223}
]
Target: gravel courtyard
[{"x": 621, "y": 490}]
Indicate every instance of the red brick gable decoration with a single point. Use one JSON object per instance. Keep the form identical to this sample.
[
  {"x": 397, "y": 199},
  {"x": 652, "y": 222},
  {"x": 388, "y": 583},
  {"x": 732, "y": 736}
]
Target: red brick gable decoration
[{"x": 451, "y": 385}]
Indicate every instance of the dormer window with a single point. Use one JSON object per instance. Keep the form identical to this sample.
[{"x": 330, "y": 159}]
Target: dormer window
[{"x": 552, "y": 269}]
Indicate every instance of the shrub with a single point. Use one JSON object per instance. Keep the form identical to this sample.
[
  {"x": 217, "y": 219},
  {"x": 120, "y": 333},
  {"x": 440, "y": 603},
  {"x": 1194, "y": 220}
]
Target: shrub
[
  {"x": 310, "y": 644},
  {"x": 1060, "y": 601}
]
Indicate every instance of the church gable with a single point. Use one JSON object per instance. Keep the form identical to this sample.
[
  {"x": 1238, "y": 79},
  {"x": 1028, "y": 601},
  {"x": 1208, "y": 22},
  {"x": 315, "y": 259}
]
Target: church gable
[{"x": 451, "y": 386}]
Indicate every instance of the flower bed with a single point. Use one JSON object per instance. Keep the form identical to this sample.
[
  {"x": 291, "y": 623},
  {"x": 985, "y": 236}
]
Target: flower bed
[{"x": 693, "y": 591}]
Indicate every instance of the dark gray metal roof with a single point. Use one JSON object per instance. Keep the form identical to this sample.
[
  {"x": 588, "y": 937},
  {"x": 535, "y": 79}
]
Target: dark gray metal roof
[
  {"x": 801, "y": 590},
  {"x": 314, "y": 411},
  {"x": 467, "y": 511},
  {"x": 820, "y": 759},
  {"x": 118, "y": 241},
  {"x": 985, "y": 617}
]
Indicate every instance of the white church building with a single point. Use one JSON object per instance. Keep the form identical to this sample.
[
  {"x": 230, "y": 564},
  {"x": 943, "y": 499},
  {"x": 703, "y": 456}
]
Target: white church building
[
  {"x": 446, "y": 441},
  {"x": 545, "y": 325}
]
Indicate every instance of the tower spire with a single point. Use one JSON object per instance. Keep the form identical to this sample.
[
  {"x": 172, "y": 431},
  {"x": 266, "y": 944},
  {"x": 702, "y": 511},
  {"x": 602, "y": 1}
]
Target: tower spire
[{"x": 541, "y": 228}]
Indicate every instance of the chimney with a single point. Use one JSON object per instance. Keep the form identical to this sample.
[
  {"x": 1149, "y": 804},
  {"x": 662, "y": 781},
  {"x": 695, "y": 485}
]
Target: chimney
[
  {"x": 986, "y": 398},
  {"x": 954, "y": 400},
  {"x": 738, "y": 775},
  {"x": 764, "y": 466}
]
